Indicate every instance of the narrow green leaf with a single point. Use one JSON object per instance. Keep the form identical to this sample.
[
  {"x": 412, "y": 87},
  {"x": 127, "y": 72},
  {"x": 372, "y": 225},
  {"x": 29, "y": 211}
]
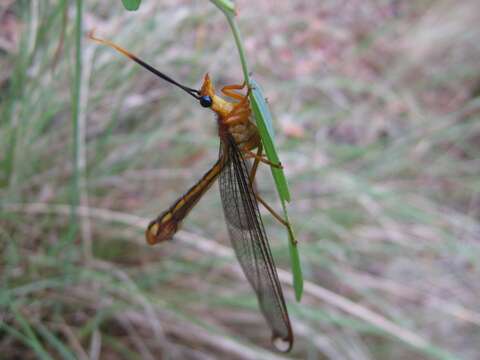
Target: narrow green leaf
[
  {"x": 294, "y": 256},
  {"x": 264, "y": 122},
  {"x": 131, "y": 5},
  {"x": 295, "y": 262},
  {"x": 263, "y": 118}
]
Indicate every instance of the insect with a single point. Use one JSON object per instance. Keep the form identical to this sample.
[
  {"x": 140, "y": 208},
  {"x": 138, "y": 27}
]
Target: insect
[{"x": 239, "y": 138}]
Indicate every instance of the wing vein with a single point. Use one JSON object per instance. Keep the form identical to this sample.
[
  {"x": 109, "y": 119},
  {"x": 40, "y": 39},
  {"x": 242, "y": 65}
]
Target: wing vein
[{"x": 249, "y": 240}]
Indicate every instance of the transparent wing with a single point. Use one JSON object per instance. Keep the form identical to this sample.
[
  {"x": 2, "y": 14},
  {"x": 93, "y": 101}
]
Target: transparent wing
[{"x": 250, "y": 242}]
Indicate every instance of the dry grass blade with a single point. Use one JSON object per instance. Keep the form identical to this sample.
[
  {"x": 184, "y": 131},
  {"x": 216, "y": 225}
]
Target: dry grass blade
[{"x": 210, "y": 247}]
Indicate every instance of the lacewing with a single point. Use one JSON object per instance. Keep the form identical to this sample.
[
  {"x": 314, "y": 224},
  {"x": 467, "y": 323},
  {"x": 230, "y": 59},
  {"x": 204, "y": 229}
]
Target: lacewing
[{"x": 239, "y": 138}]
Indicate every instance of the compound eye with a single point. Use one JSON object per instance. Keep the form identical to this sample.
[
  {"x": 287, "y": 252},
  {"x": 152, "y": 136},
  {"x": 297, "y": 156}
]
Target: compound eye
[{"x": 206, "y": 101}]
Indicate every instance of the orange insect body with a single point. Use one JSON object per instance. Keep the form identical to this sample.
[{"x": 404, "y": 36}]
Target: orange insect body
[{"x": 233, "y": 117}]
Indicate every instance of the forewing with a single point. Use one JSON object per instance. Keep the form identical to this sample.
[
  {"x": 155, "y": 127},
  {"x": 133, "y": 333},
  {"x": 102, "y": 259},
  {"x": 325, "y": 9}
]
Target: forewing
[
  {"x": 250, "y": 242},
  {"x": 167, "y": 223}
]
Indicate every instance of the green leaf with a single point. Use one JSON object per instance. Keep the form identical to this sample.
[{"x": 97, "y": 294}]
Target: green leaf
[
  {"x": 263, "y": 118},
  {"x": 131, "y": 5},
  {"x": 295, "y": 264},
  {"x": 264, "y": 122}
]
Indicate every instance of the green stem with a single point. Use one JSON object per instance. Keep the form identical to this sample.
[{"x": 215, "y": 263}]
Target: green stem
[
  {"x": 228, "y": 9},
  {"x": 241, "y": 49},
  {"x": 225, "y": 5}
]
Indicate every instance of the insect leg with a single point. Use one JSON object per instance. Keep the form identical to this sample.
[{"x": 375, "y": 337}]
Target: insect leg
[
  {"x": 262, "y": 159},
  {"x": 276, "y": 216},
  {"x": 258, "y": 157},
  {"x": 273, "y": 212},
  {"x": 253, "y": 171},
  {"x": 257, "y": 143},
  {"x": 228, "y": 90},
  {"x": 240, "y": 114}
]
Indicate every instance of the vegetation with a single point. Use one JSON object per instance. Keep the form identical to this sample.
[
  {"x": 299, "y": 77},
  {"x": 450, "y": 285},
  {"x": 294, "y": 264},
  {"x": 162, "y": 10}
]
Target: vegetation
[{"x": 376, "y": 108}]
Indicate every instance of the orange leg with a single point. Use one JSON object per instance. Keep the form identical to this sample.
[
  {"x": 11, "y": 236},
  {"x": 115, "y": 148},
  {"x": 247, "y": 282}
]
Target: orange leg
[
  {"x": 227, "y": 90},
  {"x": 243, "y": 99},
  {"x": 243, "y": 105},
  {"x": 240, "y": 114}
]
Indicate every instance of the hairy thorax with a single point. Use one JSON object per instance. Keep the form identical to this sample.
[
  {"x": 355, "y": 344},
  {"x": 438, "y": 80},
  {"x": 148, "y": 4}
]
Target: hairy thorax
[{"x": 246, "y": 135}]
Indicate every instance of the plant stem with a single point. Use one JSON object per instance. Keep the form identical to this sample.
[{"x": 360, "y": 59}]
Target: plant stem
[
  {"x": 225, "y": 5},
  {"x": 228, "y": 8},
  {"x": 241, "y": 49}
]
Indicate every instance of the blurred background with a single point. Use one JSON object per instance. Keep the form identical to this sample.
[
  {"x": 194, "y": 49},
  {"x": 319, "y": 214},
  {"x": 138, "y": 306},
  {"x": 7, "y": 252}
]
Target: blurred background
[{"x": 376, "y": 107}]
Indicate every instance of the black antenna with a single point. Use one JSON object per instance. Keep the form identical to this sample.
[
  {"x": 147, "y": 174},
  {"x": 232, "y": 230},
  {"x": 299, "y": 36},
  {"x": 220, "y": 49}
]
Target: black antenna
[{"x": 193, "y": 92}]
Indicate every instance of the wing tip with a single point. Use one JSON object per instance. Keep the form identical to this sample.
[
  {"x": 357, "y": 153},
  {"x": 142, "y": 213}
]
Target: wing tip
[
  {"x": 158, "y": 232},
  {"x": 282, "y": 343}
]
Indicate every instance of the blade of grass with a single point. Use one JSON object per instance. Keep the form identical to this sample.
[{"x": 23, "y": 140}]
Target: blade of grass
[
  {"x": 75, "y": 198},
  {"x": 75, "y": 182},
  {"x": 14, "y": 96},
  {"x": 31, "y": 338},
  {"x": 55, "y": 342}
]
